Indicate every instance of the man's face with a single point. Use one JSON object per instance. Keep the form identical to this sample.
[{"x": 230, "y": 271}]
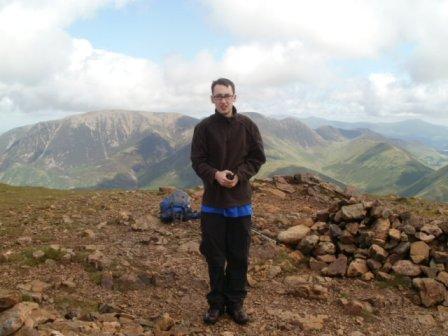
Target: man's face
[{"x": 223, "y": 97}]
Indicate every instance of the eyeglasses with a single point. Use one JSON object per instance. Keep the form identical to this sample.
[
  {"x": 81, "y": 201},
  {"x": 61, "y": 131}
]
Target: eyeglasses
[{"x": 223, "y": 97}]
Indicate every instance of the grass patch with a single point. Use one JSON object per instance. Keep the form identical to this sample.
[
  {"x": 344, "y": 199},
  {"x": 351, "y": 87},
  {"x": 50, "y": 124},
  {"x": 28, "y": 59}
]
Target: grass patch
[
  {"x": 26, "y": 257},
  {"x": 344, "y": 295},
  {"x": 286, "y": 262},
  {"x": 96, "y": 277},
  {"x": 65, "y": 302},
  {"x": 367, "y": 315},
  {"x": 27, "y": 297},
  {"x": 10, "y": 231},
  {"x": 396, "y": 282}
]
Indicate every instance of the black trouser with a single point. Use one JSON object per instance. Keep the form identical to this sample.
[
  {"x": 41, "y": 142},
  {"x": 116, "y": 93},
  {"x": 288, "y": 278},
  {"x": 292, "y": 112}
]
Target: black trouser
[{"x": 226, "y": 239}]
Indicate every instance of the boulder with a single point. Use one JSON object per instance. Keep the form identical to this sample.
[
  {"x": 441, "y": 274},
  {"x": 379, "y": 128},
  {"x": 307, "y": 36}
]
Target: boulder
[
  {"x": 336, "y": 268},
  {"x": 431, "y": 229},
  {"x": 419, "y": 252},
  {"x": 395, "y": 234},
  {"x": 294, "y": 234},
  {"x": 165, "y": 322},
  {"x": 14, "y": 318},
  {"x": 353, "y": 212},
  {"x": 308, "y": 244},
  {"x": 298, "y": 286},
  {"x": 402, "y": 248},
  {"x": 381, "y": 231},
  {"x": 317, "y": 265},
  {"x": 406, "y": 267},
  {"x": 443, "y": 278},
  {"x": 357, "y": 267},
  {"x": 98, "y": 260},
  {"x": 312, "y": 322},
  {"x": 378, "y": 253},
  {"x": 431, "y": 291},
  {"x": 325, "y": 248},
  {"x": 427, "y": 238},
  {"x": 356, "y": 307},
  {"x": 9, "y": 298},
  {"x": 440, "y": 256}
]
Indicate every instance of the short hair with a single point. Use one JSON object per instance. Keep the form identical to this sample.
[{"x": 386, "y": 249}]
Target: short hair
[{"x": 225, "y": 82}]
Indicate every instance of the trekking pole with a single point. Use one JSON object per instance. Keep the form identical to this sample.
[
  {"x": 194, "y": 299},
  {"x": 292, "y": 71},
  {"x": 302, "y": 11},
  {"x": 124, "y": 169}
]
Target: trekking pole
[{"x": 264, "y": 236}]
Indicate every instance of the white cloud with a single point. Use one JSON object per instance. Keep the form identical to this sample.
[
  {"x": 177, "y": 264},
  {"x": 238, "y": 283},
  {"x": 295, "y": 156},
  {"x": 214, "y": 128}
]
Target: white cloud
[
  {"x": 281, "y": 63},
  {"x": 344, "y": 28}
]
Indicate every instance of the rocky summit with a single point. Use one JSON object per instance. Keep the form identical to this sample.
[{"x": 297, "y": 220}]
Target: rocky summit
[{"x": 324, "y": 261}]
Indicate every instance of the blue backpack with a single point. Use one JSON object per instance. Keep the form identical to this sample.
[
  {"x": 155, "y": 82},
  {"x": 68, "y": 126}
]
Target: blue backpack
[{"x": 177, "y": 207}]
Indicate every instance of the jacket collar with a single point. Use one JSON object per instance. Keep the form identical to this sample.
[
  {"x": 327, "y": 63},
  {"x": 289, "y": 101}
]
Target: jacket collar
[{"x": 219, "y": 116}]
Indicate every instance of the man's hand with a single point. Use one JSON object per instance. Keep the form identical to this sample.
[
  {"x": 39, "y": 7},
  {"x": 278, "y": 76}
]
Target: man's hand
[{"x": 220, "y": 176}]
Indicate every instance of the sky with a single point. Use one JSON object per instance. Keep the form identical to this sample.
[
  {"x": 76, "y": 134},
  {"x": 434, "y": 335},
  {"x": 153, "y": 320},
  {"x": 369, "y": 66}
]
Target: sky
[{"x": 347, "y": 60}]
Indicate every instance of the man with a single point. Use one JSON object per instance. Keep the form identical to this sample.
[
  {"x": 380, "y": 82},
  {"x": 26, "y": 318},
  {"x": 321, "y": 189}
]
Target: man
[{"x": 226, "y": 151}]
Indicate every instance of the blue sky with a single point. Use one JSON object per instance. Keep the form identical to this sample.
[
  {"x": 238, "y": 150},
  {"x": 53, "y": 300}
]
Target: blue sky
[
  {"x": 153, "y": 29},
  {"x": 347, "y": 60}
]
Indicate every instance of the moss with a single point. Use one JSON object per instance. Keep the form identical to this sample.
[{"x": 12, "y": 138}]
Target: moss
[
  {"x": 26, "y": 257},
  {"x": 96, "y": 277},
  {"x": 344, "y": 295},
  {"x": 398, "y": 281},
  {"x": 66, "y": 302},
  {"x": 26, "y": 297}
]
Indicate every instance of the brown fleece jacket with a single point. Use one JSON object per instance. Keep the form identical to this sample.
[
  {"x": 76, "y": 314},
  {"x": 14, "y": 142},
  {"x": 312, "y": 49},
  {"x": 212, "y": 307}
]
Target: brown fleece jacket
[{"x": 221, "y": 143}]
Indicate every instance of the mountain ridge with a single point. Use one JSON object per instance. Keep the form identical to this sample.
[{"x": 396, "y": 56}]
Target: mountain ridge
[{"x": 138, "y": 149}]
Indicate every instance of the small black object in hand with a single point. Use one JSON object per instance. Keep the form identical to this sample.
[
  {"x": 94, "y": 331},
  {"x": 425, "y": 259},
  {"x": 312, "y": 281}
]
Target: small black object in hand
[{"x": 230, "y": 176}]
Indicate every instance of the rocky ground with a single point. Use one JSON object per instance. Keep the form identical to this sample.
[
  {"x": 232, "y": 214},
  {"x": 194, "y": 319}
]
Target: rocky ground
[{"x": 100, "y": 263}]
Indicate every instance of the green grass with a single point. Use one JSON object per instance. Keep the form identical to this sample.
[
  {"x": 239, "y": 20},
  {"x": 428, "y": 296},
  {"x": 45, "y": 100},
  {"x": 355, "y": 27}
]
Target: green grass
[
  {"x": 398, "y": 281},
  {"x": 26, "y": 257},
  {"x": 64, "y": 302},
  {"x": 287, "y": 264}
]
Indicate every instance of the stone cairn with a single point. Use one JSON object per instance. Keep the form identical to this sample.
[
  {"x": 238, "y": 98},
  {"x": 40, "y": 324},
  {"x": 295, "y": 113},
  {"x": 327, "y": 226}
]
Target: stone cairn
[{"x": 365, "y": 239}]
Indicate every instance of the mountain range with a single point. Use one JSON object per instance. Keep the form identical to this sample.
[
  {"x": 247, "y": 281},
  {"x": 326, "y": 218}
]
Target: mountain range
[
  {"x": 413, "y": 130},
  {"x": 136, "y": 149}
]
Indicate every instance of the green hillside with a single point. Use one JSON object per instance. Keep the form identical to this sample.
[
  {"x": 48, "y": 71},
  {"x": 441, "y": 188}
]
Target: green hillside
[
  {"x": 383, "y": 168},
  {"x": 132, "y": 149},
  {"x": 433, "y": 186}
]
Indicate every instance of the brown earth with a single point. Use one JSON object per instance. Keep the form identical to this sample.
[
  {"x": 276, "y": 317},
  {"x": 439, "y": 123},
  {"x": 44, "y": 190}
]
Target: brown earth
[{"x": 145, "y": 269}]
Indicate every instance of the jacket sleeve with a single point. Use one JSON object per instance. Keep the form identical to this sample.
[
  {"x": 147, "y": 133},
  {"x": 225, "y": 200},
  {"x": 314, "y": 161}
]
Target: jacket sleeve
[
  {"x": 199, "y": 156},
  {"x": 255, "y": 157}
]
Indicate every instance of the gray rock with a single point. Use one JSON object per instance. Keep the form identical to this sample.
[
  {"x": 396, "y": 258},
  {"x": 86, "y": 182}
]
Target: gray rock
[
  {"x": 325, "y": 248},
  {"x": 427, "y": 238},
  {"x": 402, "y": 248},
  {"x": 308, "y": 244},
  {"x": 353, "y": 212},
  {"x": 409, "y": 230},
  {"x": 431, "y": 229},
  {"x": 335, "y": 231}
]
